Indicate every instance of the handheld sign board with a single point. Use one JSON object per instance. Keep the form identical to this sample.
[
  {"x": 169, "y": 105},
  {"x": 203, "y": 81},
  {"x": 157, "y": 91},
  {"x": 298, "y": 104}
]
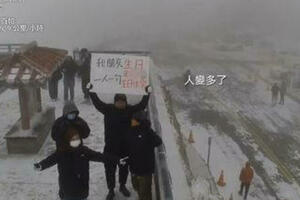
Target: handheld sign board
[{"x": 119, "y": 73}]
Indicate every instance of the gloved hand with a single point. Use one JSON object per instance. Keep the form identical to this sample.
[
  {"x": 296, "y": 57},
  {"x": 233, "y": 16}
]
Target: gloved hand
[
  {"x": 89, "y": 87},
  {"x": 123, "y": 161},
  {"x": 148, "y": 89},
  {"x": 37, "y": 167}
]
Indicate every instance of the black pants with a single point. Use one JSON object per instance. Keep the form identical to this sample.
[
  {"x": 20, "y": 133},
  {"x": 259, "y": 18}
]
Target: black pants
[
  {"x": 53, "y": 89},
  {"x": 110, "y": 173},
  {"x": 274, "y": 99},
  {"x": 69, "y": 86},
  {"x": 281, "y": 98},
  {"x": 110, "y": 169},
  {"x": 247, "y": 186},
  {"x": 143, "y": 186},
  {"x": 84, "y": 82}
]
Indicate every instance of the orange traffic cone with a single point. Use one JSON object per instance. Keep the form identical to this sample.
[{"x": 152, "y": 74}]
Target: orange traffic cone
[
  {"x": 191, "y": 138},
  {"x": 221, "y": 181}
]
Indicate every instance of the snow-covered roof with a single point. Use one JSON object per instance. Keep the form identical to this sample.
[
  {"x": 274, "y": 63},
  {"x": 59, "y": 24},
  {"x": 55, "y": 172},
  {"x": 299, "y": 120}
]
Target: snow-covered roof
[{"x": 31, "y": 63}]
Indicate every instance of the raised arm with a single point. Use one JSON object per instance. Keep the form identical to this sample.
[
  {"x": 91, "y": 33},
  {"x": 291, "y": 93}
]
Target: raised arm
[
  {"x": 99, "y": 105},
  {"x": 140, "y": 106}
]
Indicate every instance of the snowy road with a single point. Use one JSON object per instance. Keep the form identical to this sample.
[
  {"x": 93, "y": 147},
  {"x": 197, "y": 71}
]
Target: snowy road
[{"x": 243, "y": 125}]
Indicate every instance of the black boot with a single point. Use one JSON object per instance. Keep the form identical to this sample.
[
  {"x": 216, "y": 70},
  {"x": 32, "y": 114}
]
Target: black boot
[
  {"x": 110, "y": 195},
  {"x": 124, "y": 191}
]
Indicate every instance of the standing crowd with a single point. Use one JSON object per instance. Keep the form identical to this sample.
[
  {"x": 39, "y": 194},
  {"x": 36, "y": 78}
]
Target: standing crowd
[
  {"x": 129, "y": 139},
  {"x": 68, "y": 71}
]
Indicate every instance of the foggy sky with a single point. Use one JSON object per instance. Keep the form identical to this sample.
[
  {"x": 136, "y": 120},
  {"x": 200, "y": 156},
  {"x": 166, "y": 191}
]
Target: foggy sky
[{"x": 89, "y": 23}]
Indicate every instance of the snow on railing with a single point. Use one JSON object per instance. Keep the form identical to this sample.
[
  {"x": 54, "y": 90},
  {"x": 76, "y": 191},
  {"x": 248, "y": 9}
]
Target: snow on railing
[{"x": 162, "y": 177}]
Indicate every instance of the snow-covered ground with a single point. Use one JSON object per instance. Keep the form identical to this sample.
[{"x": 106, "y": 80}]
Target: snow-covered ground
[
  {"x": 223, "y": 112},
  {"x": 238, "y": 116},
  {"x": 18, "y": 180}
]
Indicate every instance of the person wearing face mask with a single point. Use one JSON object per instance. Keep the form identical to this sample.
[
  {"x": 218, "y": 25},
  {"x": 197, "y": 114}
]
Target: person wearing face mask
[
  {"x": 73, "y": 165},
  {"x": 117, "y": 118},
  {"x": 69, "y": 118}
]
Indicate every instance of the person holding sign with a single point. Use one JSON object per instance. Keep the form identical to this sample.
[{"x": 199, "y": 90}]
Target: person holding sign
[{"x": 117, "y": 122}]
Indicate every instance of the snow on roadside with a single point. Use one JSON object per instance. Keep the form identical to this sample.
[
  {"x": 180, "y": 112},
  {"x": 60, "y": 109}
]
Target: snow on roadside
[
  {"x": 260, "y": 110},
  {"x": 225, "y": 155},
  {"x": 180, "y": 186}
]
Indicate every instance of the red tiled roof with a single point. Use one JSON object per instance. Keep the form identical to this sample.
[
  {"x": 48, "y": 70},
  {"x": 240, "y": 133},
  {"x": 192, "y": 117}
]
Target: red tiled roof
[{"x": 34, "y": 64}]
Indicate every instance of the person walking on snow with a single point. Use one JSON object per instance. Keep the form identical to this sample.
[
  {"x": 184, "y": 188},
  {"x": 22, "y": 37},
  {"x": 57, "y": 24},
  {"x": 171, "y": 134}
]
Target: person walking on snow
[
  {"x": 275, "y": 91},
  {"x": 73, "y": 165},
  {"x": 283, "y": 88},
  {"x": 141, "y": 141},
  {"x": 117, "y": 120},
  {"x": 246, "y": 177},
  {"x": 70, "y": 118},
  {"x": 85, "y": 68},
  {"x": 53, "y": 84},
  {"x": 69, "y": 69}
]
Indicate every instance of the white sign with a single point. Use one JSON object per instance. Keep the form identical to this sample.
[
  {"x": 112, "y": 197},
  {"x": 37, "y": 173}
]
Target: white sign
[{"x": 119, "y": 73}]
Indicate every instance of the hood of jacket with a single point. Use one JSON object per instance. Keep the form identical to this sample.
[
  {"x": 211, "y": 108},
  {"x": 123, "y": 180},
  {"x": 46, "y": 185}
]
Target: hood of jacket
[{"x": 70, "y": 107}]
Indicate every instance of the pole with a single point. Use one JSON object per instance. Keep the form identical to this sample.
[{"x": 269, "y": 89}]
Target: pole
[
  {"x": 24, "y": 107},
  {"x": 209, "y": 147}
]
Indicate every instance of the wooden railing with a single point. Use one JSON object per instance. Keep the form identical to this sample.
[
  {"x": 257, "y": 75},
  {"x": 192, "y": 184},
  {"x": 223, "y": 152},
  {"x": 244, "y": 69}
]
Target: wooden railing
[{"x": 9, "y": 48}]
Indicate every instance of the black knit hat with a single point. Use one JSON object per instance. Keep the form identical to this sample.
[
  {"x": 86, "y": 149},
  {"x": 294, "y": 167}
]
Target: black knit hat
[
  {"x": 121, "y": 97},
  {"x": 83, "y": 50}
]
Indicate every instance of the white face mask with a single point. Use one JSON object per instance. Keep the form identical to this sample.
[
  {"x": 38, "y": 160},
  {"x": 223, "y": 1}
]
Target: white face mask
[
  {"x": 75, "y": 143},
  {"x": 71, "y": 116}
]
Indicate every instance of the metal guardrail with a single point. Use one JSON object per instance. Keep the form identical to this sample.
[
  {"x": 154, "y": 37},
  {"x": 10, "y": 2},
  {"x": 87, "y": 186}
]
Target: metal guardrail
[{"x": 162, "y": 175}]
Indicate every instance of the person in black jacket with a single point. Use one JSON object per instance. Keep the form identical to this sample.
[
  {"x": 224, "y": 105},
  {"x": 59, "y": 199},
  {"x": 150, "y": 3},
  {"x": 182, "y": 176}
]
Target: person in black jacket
[
  {"x": 141, "y": 141},
  {"x": 73, "y": 166},
  {"x": 282, "y": 91},
  {"x": 275, "y": 90},
  {"x": 69, "y": 118},
  {"x": 53, "y": 84},
  {"x": 117, "y": 119},
  {"x": 85, "y": 68},
  {"x": 69, "y": 69}
]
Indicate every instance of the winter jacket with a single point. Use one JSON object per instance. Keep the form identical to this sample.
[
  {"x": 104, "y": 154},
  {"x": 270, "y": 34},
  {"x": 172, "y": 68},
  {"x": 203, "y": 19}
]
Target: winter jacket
[
  {"x": 69, "y": 69},
  {"x": 62, "y": 124},
  {"x": 141, "y": 141},
  {"x": 85, "y": 67},
  {"x": 56, "y": 76},
  {"x": 283, "y": 87},
  {"x": 246, "y": 175},
  {"x": 275, "y": 90},
  {"x": 116, "y": 121},
  {"x": 73, "y": 169}
]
